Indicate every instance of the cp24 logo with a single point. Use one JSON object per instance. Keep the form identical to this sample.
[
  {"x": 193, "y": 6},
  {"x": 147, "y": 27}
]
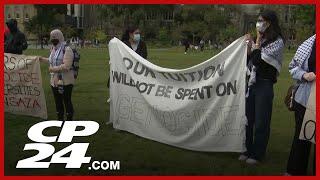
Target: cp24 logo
[{"x": 77, "y": 151}]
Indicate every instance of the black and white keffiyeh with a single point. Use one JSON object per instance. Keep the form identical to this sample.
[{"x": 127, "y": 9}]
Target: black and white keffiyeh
[
  {"x": 303, "y": 53},
  {"x": 271, "y": 54}
]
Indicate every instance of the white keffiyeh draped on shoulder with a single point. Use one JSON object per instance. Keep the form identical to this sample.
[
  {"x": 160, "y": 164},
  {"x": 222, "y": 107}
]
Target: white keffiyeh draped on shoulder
[
  {"x": 273, "y": 54},
  {"x": 303, "y": 53}
]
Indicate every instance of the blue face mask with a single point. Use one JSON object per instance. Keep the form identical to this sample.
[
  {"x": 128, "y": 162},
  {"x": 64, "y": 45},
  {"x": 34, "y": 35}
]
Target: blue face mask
[{"x": 136, "y": 37}]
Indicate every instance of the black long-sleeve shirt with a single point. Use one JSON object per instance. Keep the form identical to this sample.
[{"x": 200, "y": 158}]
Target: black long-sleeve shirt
[
  {"x": 141, "y": 49},
  {"x": 263, "y": 69}
]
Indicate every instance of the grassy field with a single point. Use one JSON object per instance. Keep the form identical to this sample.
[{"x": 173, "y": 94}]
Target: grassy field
[{"x": 140, "y": 156}]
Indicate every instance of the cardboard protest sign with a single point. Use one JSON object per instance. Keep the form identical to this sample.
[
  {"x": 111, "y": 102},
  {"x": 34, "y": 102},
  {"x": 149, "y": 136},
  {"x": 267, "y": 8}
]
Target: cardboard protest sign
[
  {"x": 308, "y": 128},
  {"x": 23, "y": 92}
]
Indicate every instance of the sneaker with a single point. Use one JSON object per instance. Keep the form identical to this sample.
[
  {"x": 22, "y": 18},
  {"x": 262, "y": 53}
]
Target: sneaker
[
  {"x": 252, "y": 161},
  {"x": 243, "y": 157}
]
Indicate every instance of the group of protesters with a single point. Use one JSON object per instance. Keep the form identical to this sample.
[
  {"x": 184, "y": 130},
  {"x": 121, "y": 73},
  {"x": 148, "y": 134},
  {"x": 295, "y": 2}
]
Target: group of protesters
[{"x": 264, "y": 62}]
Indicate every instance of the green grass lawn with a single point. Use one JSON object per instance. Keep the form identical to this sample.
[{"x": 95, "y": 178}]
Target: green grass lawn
[{"x": 140, "y": 156}]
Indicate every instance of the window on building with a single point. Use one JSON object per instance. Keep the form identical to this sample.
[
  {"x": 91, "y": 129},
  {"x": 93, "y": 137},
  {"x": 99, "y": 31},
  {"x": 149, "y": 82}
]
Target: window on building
[
  {"x": 27, "y": 16},
  {"x": 9, "y": 16},
  {"x": 17, "y": 16}
]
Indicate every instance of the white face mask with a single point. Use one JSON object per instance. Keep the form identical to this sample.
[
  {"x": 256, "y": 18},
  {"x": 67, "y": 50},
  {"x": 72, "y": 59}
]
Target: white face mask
[
  {"x": 136, "y": 37},
  {"x": 261, "y": 26}
]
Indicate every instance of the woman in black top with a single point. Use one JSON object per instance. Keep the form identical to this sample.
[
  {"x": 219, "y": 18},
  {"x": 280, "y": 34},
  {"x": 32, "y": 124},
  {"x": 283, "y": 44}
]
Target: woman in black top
[
  {"x": 132, "y": 38},
  {"x": 264, "y": 62}
]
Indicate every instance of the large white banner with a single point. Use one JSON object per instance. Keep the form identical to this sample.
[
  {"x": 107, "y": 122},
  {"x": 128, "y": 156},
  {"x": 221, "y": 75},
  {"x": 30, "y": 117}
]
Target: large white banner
[
  {"x": 23, "y": 92},
  {"x": 199, "y": 108},
  {"x": 308, "y": 129}
]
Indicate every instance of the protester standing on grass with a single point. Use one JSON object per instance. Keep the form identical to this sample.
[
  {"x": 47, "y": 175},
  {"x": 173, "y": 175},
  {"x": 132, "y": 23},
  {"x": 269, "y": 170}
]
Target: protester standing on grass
[
  {"x": 186, "y": 44},
  {"x": 62, "y": 74},
  {"x": 132, "y": 38},
  {"x": 264, "y": 62},
  {"x": 14, "y": 40},
  {"x": 302, "y": 69},
  {"x": 202, "y": 44}
]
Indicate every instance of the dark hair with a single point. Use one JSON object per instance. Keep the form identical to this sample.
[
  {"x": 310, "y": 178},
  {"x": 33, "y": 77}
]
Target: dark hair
[
  {"x": 273, "y": 31},
  {"x": 12, "y": 25},
  {"x": 129, "y": 29}
]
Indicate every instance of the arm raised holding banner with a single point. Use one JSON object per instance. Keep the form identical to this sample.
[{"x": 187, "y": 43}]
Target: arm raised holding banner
[{"x": 43, "y": 59}]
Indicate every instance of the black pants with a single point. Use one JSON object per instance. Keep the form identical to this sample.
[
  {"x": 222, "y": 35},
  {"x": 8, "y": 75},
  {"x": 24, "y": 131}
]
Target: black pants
[
  {"x": 63, "y": 101},
  {"x": 300, "y": 149},
  {"x": 259, "y": 112}
]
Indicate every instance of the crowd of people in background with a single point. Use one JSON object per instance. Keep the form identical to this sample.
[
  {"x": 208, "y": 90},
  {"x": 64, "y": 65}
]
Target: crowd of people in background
[
  {"x": 75, "y": 42},
  {"x": 264, "y": 62}
]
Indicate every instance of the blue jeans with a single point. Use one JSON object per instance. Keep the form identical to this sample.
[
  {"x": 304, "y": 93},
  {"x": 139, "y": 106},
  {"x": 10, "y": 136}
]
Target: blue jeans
[{"x": 258, "y": 112}]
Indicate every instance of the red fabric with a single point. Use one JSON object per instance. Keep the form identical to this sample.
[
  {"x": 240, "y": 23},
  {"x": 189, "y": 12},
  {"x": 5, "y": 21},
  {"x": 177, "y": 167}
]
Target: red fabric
[{"x": 6, "y": 30}]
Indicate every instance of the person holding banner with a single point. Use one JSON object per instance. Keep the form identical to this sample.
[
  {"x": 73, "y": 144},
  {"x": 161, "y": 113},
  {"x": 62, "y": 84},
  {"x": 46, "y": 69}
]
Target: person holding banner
[
  {"x": 132, "y": 38},
  {"x": 303, "y": 69},
  {"x": 264, "y": 62},
  {"x": 62, "y": 75}
]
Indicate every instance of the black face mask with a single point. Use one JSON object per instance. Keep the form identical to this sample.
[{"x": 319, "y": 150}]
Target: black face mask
[{"x": 55, "y": 42}]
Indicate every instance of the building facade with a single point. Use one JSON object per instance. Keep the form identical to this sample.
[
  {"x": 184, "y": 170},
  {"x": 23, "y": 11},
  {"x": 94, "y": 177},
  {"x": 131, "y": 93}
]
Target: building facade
[{"x": 22, "y": 13}]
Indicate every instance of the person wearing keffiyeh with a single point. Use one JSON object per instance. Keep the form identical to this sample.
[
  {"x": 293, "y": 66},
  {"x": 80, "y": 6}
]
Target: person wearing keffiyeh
[
  {"x": 264, "y": 62},
  {"x": 60, "y": 60},
  {"x": 302, "y": 69}
]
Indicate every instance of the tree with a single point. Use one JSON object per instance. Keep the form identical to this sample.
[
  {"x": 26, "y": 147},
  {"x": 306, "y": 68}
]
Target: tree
[
  {"x": 218, "y": 23},
  {"x": 45, "y": 20},
  {"x": 304, "y": 18},
  {"x": 101, "y": 36}
]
